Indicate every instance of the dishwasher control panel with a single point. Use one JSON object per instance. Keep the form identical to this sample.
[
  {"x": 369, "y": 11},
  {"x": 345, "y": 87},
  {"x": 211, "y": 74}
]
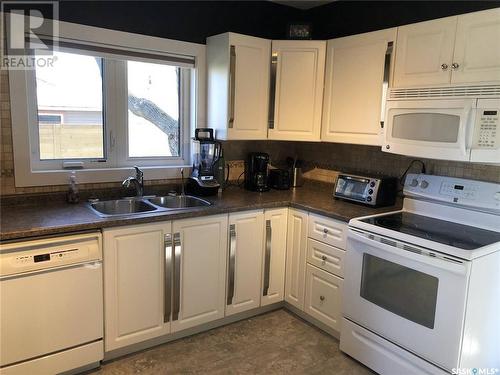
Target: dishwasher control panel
[
  {"x": 57, "y": 256},
  {"x": 20, "y": 257}
]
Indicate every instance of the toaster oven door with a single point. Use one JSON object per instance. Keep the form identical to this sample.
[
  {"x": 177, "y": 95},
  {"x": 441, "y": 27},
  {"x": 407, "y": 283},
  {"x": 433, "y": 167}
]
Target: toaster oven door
[{"x": 354, "y": 188}]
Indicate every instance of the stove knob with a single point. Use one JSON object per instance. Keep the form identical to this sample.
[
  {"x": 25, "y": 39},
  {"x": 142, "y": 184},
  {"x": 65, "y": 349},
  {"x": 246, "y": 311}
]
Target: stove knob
[
  {"x": 497, "y": 196},
  {"x": 424, "y": 184},
  {"x": 414, "y": 182},
  {"x": 368, "y": 199}
]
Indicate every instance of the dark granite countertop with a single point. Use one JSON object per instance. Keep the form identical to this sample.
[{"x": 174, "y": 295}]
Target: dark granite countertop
[{"x": 38, "y": 218}]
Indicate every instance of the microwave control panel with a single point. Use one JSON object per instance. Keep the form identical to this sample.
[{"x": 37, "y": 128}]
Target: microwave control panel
[{"x": 487, "y": 131}]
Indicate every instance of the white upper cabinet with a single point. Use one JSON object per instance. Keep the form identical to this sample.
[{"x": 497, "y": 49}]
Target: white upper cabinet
[
  {"x": 462, "y": 49},
  {"x": 477, "y": 47},
  {"x": 238, "y": 86},
  {"x": 424, "y": 53},
  {"x": 356, "y": 67},
  {"x": 297, "y": 76}
]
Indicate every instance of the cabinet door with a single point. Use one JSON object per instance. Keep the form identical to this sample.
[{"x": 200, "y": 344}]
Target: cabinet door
[
  {"x": 296, "y": 258},
  {"x": 134, "y": 284},
  {"x": 273, "y": 278},
  {"x": 424, "y": 53},
  {"x": 354, "y": 87},
  {"x": 298, "y": 90},
  {"x": 238, "y": 85},
  {"x": 324, "y": 297},
  {"x": 246, "y": 244},
  {"x": 199, "y": 270},
  {"x": 477, "y": 47}
]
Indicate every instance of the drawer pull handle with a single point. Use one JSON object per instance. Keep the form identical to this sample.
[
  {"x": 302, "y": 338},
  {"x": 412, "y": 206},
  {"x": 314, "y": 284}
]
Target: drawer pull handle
[
  {"x": 325, "y": 231},
  {"x": 321, "y": 298},
  {"x": 323, "y": 258}
]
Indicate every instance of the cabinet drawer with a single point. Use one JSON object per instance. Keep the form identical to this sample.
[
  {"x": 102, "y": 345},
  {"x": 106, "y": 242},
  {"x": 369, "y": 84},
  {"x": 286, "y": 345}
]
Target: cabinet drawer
[
  {"x": 323, "y": 297},
  {"x": 329, "y": 231},
  {"x": 326, "y": 257}
]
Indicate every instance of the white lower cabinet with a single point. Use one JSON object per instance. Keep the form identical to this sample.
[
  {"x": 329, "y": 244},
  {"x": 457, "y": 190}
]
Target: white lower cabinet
[
  {"x": 246, "y": 242},
  {"x": 163, "y": 278},
  {"x": 273, "y": 279},
  {"x": 134, "y": 284},
  {"x": 323, "y": 297},
  {"x": 296, "y": 258},
  {"x": 199, "y": 271}
]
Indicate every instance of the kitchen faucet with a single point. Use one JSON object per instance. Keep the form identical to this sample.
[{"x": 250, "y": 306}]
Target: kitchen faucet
[{"x": 137, "y": 181}]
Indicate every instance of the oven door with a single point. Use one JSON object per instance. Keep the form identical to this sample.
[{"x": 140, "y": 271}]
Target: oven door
[
  {"x": 412, "y": 299},
  {"x": 437, "y": 129}
]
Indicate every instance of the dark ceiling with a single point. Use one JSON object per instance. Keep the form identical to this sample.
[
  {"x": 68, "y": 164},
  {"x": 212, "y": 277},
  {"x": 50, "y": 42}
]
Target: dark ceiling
[{"x": 195, "y": 20}]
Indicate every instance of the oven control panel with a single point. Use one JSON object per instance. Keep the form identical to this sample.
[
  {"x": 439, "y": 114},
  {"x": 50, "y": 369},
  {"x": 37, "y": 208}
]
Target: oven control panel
[{"x": 457, "y": 191}]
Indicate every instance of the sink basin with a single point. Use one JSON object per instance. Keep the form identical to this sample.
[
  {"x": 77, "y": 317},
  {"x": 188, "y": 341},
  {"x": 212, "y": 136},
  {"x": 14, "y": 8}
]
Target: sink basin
[
  {"x": 179, "y": 202},
  {"x": 121, "y": 207}
]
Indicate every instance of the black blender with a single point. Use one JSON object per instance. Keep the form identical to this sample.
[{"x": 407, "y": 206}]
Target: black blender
[{"x": 206, "y": 153}]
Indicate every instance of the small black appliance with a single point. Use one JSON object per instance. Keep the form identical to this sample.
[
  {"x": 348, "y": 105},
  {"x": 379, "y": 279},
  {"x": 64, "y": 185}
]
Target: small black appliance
[
  {"x": 256, "y": 175},
  {"x": 279, "y": 179},
  {"x": 369, "y": 190},
  {"x": 206, "y": 153}
]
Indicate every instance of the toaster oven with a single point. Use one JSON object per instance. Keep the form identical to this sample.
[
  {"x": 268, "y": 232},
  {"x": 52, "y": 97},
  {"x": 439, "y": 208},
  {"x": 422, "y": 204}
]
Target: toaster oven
[{"x": 372, "y": 191}]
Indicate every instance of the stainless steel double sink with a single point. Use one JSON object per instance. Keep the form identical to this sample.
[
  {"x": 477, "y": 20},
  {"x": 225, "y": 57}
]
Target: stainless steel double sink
[{"x": 141, "y": 205}]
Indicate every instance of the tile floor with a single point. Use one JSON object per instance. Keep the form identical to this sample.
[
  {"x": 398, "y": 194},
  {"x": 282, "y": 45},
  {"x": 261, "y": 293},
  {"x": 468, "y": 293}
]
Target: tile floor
[{"x": 274, "y": 343}]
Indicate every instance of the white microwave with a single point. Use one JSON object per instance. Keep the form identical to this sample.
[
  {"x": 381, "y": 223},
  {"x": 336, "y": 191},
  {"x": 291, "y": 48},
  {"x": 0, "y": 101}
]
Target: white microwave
[{"x": 449, "y": 129}]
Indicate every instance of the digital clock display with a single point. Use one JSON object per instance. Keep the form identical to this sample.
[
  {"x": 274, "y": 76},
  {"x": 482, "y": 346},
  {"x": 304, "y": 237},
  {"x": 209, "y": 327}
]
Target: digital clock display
[
  {"x": 459, "y": 187},
  {"x": 41, "y": 258}
]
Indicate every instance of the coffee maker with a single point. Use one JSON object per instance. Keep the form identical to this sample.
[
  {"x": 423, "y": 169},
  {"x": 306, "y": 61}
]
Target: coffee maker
[
  {"x": 206, "y": 153},
  {"x": 256, "y": 177}
]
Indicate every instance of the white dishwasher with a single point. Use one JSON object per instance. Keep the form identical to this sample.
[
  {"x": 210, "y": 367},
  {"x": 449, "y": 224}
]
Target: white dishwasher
[{"x": 51, "y": 304}]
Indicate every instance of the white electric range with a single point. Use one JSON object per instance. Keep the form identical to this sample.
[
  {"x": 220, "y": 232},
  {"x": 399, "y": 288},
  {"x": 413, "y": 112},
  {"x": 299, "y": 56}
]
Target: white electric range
[{"x": 422, "y": 285}]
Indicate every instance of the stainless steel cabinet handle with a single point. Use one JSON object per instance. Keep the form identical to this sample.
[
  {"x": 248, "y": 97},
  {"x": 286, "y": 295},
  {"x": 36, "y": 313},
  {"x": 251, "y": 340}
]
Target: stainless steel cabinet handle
[
  {"x": 167, "y": 293},
  {"x": 454, "y": 66},
  {"x": 177, "y": 276},
  {"x": 272, "y": 89},
  {"x": 444, "y": 66},
  {"x": 385, "y": 82},
  {"x": 232, "y": 253},
  {"x": 232, "y": 84},
  {"x": 267, "y": 257},
  {"x": 322, "y": 298}
]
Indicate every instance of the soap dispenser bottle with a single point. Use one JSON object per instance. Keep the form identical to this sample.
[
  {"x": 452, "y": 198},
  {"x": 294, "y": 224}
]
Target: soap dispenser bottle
[{"x": 73, "y": 196}]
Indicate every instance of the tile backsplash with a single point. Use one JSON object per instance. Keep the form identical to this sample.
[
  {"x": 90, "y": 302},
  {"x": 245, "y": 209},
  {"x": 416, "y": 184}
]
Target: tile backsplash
[
  {"x": 356, "y": 158},
  {"x": 322, "y": 156}
]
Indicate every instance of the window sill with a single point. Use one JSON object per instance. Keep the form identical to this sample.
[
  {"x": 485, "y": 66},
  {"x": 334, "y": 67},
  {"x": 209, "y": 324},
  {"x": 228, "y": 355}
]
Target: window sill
[{"x": 89, "y": 176}]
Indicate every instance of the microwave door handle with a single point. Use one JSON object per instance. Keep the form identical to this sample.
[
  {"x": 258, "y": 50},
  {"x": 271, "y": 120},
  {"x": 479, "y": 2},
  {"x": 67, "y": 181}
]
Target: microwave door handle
[{"x": 464, "y": 130}]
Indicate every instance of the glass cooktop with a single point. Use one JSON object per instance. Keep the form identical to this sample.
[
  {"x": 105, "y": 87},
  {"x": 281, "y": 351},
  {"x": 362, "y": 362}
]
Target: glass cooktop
[{"x": 452, "y": 234}]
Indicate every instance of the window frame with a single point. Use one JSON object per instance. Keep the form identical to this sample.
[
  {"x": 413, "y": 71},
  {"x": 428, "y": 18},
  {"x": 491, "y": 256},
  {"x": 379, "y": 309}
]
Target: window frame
[{"x": 27, "y": 166}]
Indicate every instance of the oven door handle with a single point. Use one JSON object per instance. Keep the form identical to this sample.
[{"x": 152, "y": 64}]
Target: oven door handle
[{"x": 411, "y": 252}]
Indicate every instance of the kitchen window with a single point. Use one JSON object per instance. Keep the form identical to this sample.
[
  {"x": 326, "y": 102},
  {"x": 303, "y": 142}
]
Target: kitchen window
[{"x": 104, "y": 107}]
